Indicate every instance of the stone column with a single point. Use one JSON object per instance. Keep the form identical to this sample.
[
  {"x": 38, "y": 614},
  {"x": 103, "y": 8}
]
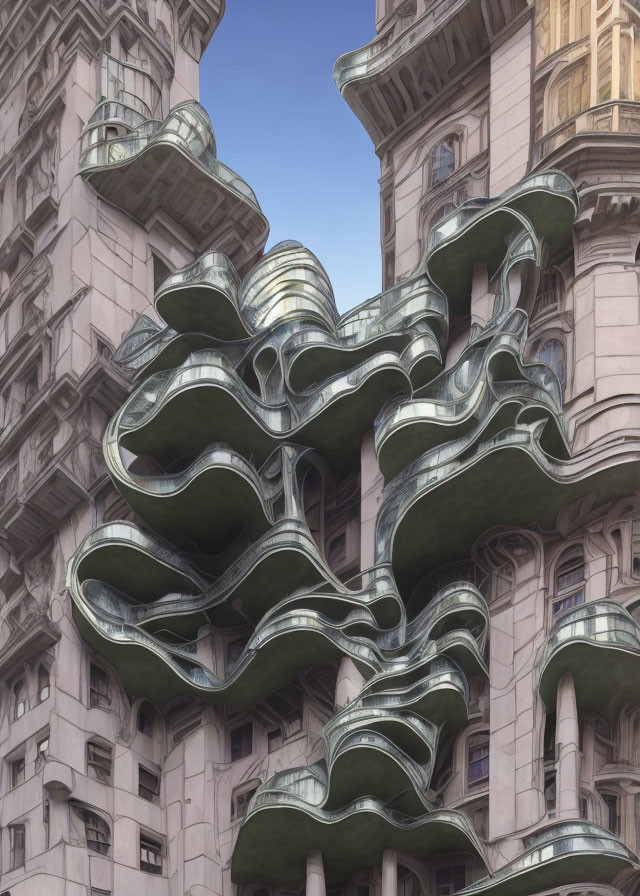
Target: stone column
[
  {"x": 315, "y": 874},
  {"x": 568, "y": 756},
  {"x": 390, "y": 872}
]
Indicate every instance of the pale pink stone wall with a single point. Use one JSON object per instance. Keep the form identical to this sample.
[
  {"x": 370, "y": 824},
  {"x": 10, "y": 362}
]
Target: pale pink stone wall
[{"x": 509, "y": 109}]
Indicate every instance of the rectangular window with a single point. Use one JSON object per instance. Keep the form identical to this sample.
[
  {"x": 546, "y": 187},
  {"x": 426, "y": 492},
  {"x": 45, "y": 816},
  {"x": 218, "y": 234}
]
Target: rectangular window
[
  {"x": 148, "y": 784},
  {"x": 550, "y": 794},
  {"x": 98, "y": 687},
  {"x": 16, "y": 846},
  {"x": 478, "y": 764},
  {"x": 240, "y": 802},
  {"x": 97, "y": 833},
  {"x": 17, "y": 772},
  {"x": 150, "y": 855},
  {"x": 99, "y": 761},
  {"x": 612, "y": 815},
  {"x": 450, "y": 880},
  {"x": 241, "y": 740},
  {"x": 635, "y": 536}
]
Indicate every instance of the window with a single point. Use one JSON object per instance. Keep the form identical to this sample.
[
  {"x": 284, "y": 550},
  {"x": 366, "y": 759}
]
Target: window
[
  {"x": 450, "y": 880},
  {"x": 569, "y": 583},
  {"x": 550, "y": 292},
  {"x": 146, "y": 715},
  {"x": 611, "y": 815},
  {"x": 98, "y": 686},
  {"x": 635, "y": 547},
  {"x": 550, "y": 793},
  {"x": 99, "y": 760},
  {"x": 552, "y": 354},
  {"x": 16, "y": 846},
  {"x": 241, "y": 740},
  {"x": 43, "y": 684},
  {"x": 19, "y": 700},
  {"x": 42, "y": 748},
  {"x": 443, "y": 159},
  {"x": 240, "y": 799},
  {"x": 478, "y": 757},
  {"x": 550, "y": 737},
  {"x": 17, "y": 771},
  {"x": 150, "y": 855},
  {"x": 148, "y": 784},
  {"x": 97, "y": 832}
]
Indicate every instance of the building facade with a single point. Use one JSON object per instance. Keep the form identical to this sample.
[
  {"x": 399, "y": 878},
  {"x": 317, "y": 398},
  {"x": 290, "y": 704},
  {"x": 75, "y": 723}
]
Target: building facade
[{"x": 300, "y": 602}]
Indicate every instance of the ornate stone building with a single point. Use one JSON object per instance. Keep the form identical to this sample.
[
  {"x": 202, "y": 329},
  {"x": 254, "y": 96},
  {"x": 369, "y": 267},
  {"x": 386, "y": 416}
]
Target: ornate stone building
[{"x": 299, "y": 601}]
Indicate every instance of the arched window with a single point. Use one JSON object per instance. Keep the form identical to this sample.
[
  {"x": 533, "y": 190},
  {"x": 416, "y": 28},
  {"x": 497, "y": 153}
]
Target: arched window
[
  {"x": 443, "y": 159},
  {"x": 550, "y": 292},
  {"x": 19, "y": 699},
  {"x": 43, "y": 684},
  {"x": 551, "y": 352},
  {"x": 569, "y": 581},
  {"x": 146, "y": 715},
  {"x": 96, "y": 830}
]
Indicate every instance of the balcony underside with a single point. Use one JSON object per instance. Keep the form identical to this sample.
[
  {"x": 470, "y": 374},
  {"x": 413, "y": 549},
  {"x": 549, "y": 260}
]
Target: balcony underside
[
  {"x": 391, "y": 80},
  {"x": 566, "y": 853},
  {"x": 170, "y": 167},
  {"x": 543, "y": 205},
  {"x": 274, "y": 840},
  {"x": 599, "y": 644},
  {"x": 204, "y": 401},
  {"x": 433, "y": 513}
]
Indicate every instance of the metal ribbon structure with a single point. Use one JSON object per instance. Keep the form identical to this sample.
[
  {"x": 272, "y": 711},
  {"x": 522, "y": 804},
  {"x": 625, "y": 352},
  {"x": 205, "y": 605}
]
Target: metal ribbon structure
[{"x": 248, "y": 378}]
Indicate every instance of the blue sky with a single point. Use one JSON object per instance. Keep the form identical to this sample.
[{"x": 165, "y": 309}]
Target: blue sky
[{"x": 266, "y": 80}]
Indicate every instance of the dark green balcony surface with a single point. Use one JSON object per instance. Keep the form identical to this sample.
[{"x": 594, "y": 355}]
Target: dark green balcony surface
[
  {"x": 274, "y": 840},
  {"x": 444, "y": 506},
  {"x": 571, "y": 852},
  {"x": 599, "y": 644}
]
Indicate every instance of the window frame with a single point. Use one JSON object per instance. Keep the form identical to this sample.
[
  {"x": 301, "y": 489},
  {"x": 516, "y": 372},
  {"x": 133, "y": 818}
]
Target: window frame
[
  {"x": 98, "y": 698},
  {"x": 154, "y": 844},
  {"x": 101, "y": 762},
  {"x": 17, "y": 834},
  {"x": 155, "y": 794},
  {"x": 483, "y": 738},
  {"x": 437, "y": 165},
  {"x": 569, "y": 561}
]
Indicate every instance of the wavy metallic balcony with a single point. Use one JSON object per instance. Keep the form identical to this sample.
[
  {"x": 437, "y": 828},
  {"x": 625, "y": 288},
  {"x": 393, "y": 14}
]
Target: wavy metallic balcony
[
  {"x": 543, "y": 206},
  {"x": 143, "y": 166},
  {"x": 562, "y": 854},
  {"x": 285, "y": 817},
  {"x": 599, "y": 643},
  {"x": 390, "y": 81},
  {"x": 489, "y": 386},
  {"x": 433, "y": 512}
]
